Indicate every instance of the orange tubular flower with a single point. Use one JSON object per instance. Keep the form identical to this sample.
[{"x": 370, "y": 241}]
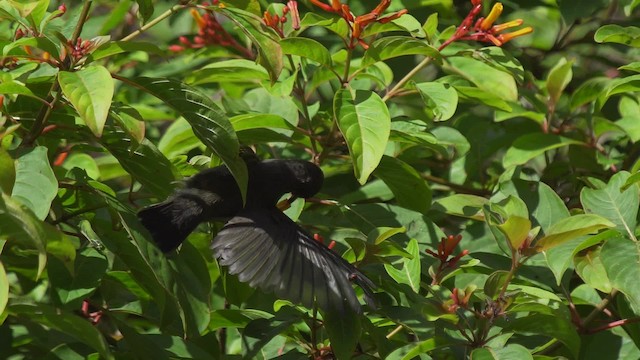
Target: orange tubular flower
[
  {"x": 359, "y": 23},
  {"x": 484, "y": 29}
]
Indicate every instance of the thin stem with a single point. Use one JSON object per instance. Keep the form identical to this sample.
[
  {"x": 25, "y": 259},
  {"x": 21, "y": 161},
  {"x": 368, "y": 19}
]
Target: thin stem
[
  {"x": 83, "y": 18},
  {"x": 153, "y": 22},
  {"x": 391, "y": 93},
  {"x": 43, "y": 114},
  {"x": 511, "y": 274},
  {"x": 300, "y": 90},
  {"x": 613, "y": 324},
  {"x": 599, "y": 307},
  {"x": 314, "y": 327},
  {"x": 347, "y": 65},
  {"x": 457, "y": 187},
  {"x": 394, "y": 331}
]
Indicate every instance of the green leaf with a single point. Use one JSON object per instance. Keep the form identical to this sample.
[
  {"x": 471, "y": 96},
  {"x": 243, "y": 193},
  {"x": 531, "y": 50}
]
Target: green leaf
[
  {"x": 4, "y": 289},
  {"x": 589, "y": 267},
  {"x": 344, "y": 332},
  {"x": 408, "y": 187},
  {"x": 571, "y": 228},
  {"x": 498, "y": 83},
  {"x": 529, "y": 146},
  {"x": 209, "y": 123},
  {"x": 13, "y": 87},
  {"x": 495, "y": 282},
  {"x": 629, "y": 35},
  {"x": 410, "y": 273},
  {"x": 67, "y": 323},
  {"x": 554, "y": 326},
  {"x": 307, "y": 48},
  {"x": 621, "y": 207},
  {"x": 469, "y": 206},
  {"x": 118, "y": 47},
  {"x": 381, "y": 234},
  {"x": 558, "y": 79},
  {"x": 144, "y": 162},
  {"x": 36, "y": 185},
  {"x": 441, "y": 98},
  {"x": 484, "y": 96},
  {"x": 178, "y": 139},
  {"x": 516, "y": 229},
  {"x": 90, "y": 90},
  {"x": 7, "y": 172},
  {"x": 235, "y": 70},
  {"x": 393, "y": 46},
  {"x": 145, "y": 8},
  {"x": 364, "y": 120},
  {"x": 511, "y": 351},
  {"x": 589, "y": 91},
  {"x": 89, "y": 268},
  {"x": 25, "y": 7},
  {"x": 264, "y": 38},
  {"x": 130, "y": 121},
  {"x": 620, "y": 257}
]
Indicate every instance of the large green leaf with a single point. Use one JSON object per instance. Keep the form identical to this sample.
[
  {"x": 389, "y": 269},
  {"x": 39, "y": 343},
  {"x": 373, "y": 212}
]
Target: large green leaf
[
  {"x": 307, "y": 48},
  {"x": 571, "y": 228},
  {"x": 441, "y": 98},
  {"x": 516, "y": 229},
  {"x": 7, "y": 172},
  {"x": 67, "y": 323},
  {"x": 36, "y": 185},
  {"x": 589, "y": 267},
  {"x": 209, "y": 123},
  {"x": 498, "y": 83},
  {"x": 262, "y": 37},
  {"x": 4, "y": 289},
  {"x": 554, "y": 326},
  {"x": 410, "y": 272},
  {"x": 410, "y": 190},
  {"x": 235, "y": 70},
  {"x": 364, "y": 120},
  {"x": 629, "y": 35},
  {"x": 621, "y": 207},
  {"x": 558, "y": 79},
  {"x": 178, "y": 139},
  {"x": 529, "y": 146},
  {"x": 344, "y": 332},
  {"x": 90, "y": 90},
  {"x": 144, "y": 162},
  {"x": 511, "y": 351},
  {"x": 393, "y": 46},
  {"x": 71, "y": 288},
  {"x": 620, "y": 257},
  {"x": 462, "y": 205}
]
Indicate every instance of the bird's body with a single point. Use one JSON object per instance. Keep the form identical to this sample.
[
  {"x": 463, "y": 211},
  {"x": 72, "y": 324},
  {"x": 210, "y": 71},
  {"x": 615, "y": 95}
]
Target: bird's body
[{"x": 259, "y": 243}]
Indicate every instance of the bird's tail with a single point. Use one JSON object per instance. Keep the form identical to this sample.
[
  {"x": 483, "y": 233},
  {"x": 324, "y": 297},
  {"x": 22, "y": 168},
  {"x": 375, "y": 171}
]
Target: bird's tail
[{"x": 171, "y": 221}]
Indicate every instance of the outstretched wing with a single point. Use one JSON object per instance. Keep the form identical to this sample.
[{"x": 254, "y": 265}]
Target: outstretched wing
[{"x": 268, "y": 250}]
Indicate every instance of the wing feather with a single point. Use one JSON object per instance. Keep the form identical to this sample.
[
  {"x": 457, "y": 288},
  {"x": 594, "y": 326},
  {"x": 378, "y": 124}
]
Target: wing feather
[{"x": 267, "y": 249}]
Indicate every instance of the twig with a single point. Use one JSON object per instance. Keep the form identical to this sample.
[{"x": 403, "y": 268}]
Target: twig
[{"x": 153, "y": 22}]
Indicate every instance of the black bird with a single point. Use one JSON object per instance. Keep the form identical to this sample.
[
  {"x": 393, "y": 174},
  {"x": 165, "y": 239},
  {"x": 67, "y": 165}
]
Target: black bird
[{"x": 260, "y": 244}]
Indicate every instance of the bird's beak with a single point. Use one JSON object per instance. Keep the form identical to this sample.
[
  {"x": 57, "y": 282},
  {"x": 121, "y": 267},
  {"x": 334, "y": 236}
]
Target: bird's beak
[{"x": 286, "y": 203}]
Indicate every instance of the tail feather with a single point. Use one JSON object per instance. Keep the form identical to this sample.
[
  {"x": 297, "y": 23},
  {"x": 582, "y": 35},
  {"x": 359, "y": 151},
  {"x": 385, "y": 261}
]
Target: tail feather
[{"x": 171, "y": 221}]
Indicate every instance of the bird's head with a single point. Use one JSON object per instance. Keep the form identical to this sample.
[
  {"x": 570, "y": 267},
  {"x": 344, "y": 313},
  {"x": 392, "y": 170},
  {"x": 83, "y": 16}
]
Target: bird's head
[{"x": 308, "y": 178}]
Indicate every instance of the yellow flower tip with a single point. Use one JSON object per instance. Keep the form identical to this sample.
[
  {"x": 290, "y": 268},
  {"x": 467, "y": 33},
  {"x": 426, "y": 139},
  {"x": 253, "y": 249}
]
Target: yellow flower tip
[
  {"x": 509, "y": 24},
  {"x": 196, "y": 15},
  {"x": 509, "y": 36},
  {"x": 222, "y": 5},
  {"x": 495, "y": 12}
]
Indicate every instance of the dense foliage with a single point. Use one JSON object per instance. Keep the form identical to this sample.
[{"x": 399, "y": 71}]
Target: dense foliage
[{"x": 483, "y": 175}]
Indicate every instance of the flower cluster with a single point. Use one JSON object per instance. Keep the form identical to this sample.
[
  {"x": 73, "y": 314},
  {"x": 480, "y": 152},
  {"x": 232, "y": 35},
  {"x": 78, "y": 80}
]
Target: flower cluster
[
  {"x": 277, "y": 22},
  {"x": 319, "y": 238},
  {"x": 210, "y": 32},
  {"x": 459, "y": 299},
  {"x": 483, "y": 29},
  {"x": 357, "y": 24},
  {"x": 448, "y": 261}
]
